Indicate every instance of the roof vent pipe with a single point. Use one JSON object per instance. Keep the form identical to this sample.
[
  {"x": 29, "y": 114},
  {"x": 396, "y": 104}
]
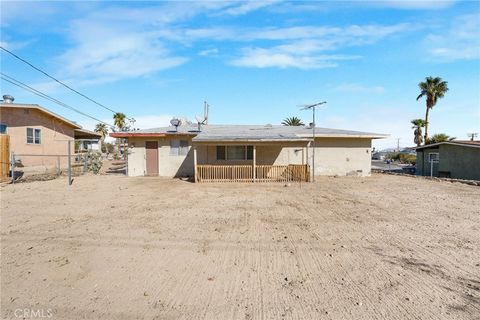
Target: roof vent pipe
[{"x": 8, "y": 98}]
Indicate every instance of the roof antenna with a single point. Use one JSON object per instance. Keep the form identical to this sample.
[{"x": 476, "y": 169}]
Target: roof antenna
[
  {"x": 472, "y": 135},
  {"x": 203, "y": 120},
  {"x": 205, "y": 112}
]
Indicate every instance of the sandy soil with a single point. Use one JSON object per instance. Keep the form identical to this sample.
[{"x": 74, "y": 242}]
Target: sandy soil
[{"x": 111, "y": 247}]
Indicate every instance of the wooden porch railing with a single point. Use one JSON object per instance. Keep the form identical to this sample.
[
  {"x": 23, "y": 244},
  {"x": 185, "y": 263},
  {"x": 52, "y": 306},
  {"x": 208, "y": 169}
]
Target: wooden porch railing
[{"x": 244, "y": 173}]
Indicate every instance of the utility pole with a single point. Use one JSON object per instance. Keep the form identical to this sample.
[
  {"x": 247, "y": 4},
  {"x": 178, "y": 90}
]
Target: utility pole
[
  {"x": 313, "y": 106},
  {"x": 398, "y": 144}
]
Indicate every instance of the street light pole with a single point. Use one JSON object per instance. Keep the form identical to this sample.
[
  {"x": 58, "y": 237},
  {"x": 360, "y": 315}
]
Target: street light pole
[{"x": 313, "y": 106}]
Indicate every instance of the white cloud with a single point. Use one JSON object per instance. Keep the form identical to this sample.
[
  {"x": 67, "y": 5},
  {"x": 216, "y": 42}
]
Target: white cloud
[
  {"x": 304, "y": 47},
  {"x": 208, "y": 52},
  {"x": 117, "y": 42},
  {"x": 284, "y": 58},
  {"x": 359, "y": 88},
  {"x": 244, "y": 7},
  {"x": 460, "y": 42},
  {"x": 413, "y": 4}
]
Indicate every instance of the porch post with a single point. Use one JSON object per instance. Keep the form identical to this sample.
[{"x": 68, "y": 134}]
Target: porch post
[
  {"x": 254, "y": 162},
  {"x": 195, "y": 163},
  {"x": 306, "y": 159}
]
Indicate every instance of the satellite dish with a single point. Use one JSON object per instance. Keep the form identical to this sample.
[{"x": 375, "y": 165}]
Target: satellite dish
[{"x": 175, "y": 122}]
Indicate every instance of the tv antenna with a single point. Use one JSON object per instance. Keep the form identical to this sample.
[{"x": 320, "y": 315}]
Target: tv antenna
[
  {"x": 312, "y": 107},
  {"x": 203, "y": 120},
  {"x": 472, "y": 135}
]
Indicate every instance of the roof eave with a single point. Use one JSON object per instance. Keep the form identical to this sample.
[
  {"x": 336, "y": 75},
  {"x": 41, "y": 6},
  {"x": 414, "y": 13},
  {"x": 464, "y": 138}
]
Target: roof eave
[
  {"x": 433, "y": 145},
  {"x": 363, "y": 136},
  {"x": 134, "y": 134}
]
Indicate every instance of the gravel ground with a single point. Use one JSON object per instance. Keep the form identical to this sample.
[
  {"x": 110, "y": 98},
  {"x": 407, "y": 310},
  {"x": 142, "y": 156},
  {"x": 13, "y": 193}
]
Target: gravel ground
[{"x": 112, "y": 247}]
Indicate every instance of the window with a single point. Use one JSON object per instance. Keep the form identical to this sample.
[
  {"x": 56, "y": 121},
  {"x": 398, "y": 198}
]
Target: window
[
  {"x": 3, "y": 128},
  {"x": 34, "y": 136},
  {"x": 221, "y": 153},
  {"x": 234, "y": 152},
  {"x": 433, "y": 156},
  {"x": 178, "y": 147}
]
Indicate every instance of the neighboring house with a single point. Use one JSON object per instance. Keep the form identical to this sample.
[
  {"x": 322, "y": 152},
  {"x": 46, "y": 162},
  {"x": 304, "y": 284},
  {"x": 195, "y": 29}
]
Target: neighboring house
[
  {"x": 458, "y": 159},
  {"x": 39, "y": 137},
  {"x": 246, "y": 152},
  {"x": 88, "y": 140}
]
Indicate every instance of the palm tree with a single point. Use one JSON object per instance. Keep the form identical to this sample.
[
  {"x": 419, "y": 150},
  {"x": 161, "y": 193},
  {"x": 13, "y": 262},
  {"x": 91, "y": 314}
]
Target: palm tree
[
  {"x": 119, "y": 121},
  {"x": 418, "y": 124},
  {"x": 440, "y": 137},
  {"x": 433, "y": 89},
  {"x": 102, "y": 129},
  {"x": 292, "y": 121}
]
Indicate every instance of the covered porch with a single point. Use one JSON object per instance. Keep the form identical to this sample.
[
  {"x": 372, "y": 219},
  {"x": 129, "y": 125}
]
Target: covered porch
[{"x": 251, "y": 161}]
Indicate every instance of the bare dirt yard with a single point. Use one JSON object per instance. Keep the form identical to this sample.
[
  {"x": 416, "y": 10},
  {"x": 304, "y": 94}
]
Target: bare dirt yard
[{"x": 112, "y": 247}]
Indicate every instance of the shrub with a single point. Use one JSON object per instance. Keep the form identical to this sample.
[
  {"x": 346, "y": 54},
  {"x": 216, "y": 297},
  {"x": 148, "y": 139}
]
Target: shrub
[
  {"x": 403, "y": 157},
  {"x": 408, "y": 158},
  {"x": 93, "y": 160}
]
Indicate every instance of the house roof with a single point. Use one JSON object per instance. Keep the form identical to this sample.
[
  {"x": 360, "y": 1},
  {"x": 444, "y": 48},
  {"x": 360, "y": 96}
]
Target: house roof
[
  {"x": 250, "y": 133},
  {"x": 41, "y": 109},
  {"x": 464, "y": 143},
  {"x": 86, "y": 134}
]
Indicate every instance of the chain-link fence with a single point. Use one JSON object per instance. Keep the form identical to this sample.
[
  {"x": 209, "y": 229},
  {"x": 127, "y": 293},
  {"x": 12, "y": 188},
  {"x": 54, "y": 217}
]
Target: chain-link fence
[{"x": 29, "y": 167}]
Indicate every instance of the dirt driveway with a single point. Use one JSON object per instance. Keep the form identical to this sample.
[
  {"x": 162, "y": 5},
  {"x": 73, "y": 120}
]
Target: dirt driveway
[{"x": 111, "y": 247}]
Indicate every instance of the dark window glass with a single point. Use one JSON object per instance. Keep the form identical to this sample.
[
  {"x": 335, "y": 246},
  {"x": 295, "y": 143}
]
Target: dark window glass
[
  {"x": 236, "y": 153},
  {"x": 38, "y": 133},
  {"x": 29, "y": 135},
  {"x": 249, "y": 152},
  {"x": 220, "y": 152}
]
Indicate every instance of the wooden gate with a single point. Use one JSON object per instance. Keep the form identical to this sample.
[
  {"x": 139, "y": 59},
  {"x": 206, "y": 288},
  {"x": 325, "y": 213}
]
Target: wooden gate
[{"x": 4, "y": 156}]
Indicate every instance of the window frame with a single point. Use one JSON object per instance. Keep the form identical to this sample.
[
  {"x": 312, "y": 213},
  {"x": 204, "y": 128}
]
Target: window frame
[
  {"x": 6, "y": 128},
  {"x": 34, "y": 136},
  {"x": 247, "y": 153},
  {"x": 179, "y": 147},
  {"x": 434, "y": 153}
]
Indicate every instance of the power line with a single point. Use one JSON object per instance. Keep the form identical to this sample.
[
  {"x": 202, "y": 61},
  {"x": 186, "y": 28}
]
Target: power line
[
  {"x": 60, "y": 82},
  {"x": 26, "y": 87}
]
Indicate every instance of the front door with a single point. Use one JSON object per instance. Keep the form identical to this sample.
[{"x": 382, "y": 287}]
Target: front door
[{"x": 151, "y": 158}]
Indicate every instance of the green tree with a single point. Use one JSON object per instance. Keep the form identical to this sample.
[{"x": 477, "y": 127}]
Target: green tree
[
  {"x": 292, "y": 121},
  {"x": 433, "y": 89},
  {"x": 102, "y": 129},
  {"x": 119, "y": 121},
  {"x": 418, "y": 124},
  {"x": 440, "y": 137}
]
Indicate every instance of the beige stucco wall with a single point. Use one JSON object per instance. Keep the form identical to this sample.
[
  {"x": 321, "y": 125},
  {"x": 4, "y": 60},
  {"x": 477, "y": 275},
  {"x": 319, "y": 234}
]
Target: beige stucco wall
[
  {"x": 342, "y": 156},
  {"x": 168, "y": 165},
  {"x": 54, "y": 136},
  {"x": 333, "y": 156}
]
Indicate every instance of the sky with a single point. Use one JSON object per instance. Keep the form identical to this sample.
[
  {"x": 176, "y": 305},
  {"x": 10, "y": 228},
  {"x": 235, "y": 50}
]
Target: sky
[{"x": 255, "y": 62}]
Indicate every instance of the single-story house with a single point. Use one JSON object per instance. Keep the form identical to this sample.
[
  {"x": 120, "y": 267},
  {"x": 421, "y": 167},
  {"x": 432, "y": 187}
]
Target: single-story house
[
  {"x": 458, "y": 159},
  {"x": 38, "y": 137},
  {"x": 247, "y": 152}
]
